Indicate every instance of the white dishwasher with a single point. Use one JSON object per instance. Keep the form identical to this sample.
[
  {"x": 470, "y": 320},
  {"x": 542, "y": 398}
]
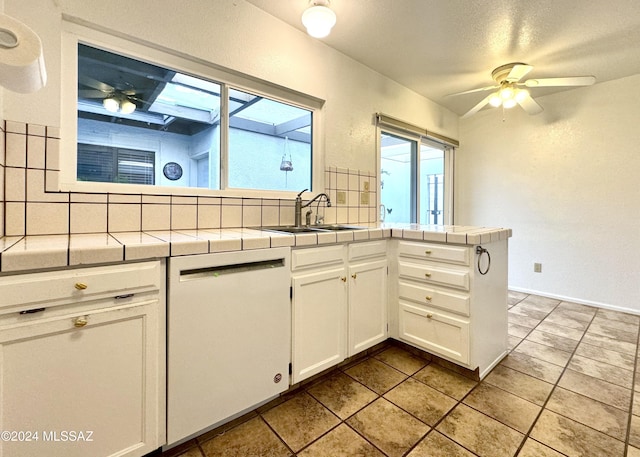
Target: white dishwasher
[{"x": 229, "y": 336}]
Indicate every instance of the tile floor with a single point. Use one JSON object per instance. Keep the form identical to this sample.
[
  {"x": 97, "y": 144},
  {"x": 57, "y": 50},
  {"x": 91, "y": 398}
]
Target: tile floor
[{"x": 568, "y": 387}]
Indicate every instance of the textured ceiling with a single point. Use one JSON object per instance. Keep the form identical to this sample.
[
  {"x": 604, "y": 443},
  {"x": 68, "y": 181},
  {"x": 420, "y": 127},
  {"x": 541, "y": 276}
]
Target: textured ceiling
[{"x": 439, "y": 47}]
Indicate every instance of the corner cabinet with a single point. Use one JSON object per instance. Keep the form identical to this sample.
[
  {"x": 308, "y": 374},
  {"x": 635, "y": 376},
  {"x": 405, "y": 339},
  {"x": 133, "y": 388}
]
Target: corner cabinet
[
  {"x": 339, "y": 304},
  {"x": 452, "y": 301},
  {"x": 82, "y": 361}
]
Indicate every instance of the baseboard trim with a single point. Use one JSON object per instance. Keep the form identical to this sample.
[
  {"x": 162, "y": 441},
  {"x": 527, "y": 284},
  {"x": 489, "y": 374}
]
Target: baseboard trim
[{"x": 576, "y": 300}]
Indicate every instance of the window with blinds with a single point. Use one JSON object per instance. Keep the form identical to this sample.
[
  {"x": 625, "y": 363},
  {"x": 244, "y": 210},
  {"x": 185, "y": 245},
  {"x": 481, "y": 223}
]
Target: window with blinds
[{"x": 119, "y": 165}]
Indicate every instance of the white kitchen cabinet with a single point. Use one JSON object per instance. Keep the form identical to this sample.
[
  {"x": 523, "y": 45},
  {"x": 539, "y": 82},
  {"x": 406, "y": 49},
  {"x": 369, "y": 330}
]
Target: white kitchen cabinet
[
  {"x": 367, "y": 295},
  {"x": 448, "y": 308},
  {"x": 339, "y": 304},
  {"x": 82, "y": 373}
]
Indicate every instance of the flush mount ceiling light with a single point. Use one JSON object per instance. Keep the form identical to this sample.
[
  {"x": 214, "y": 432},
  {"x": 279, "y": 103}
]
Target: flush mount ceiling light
[{"x": 319, "y": 19}]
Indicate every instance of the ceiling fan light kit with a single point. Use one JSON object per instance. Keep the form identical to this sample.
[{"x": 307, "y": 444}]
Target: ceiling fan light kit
[
  {"x": 115, "y": 105},
  {"x": 509, "y": 94},
  {"x": 319, "y": 19}
]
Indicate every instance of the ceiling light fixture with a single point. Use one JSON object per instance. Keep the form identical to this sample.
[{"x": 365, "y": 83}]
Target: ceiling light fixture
[
  {"x": 508, "y": 96},
  {"x": 319, "y": 19},
  {"x": 114, "y": 104}
]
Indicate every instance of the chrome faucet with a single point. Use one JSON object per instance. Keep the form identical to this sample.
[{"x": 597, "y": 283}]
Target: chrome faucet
[{"x": 299, "y": 206}]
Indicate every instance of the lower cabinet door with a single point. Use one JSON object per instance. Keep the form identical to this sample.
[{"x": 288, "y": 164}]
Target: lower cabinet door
[
  {"x": 439, "y": 333},
  {"x": 319, "y": 315},
  {"x": 82, "y": 385}
]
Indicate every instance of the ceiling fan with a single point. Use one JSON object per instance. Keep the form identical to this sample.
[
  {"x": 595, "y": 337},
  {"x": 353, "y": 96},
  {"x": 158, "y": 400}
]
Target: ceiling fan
[
  {"x": 113, "y": 99},
  {"x": 508, "y": 92}
]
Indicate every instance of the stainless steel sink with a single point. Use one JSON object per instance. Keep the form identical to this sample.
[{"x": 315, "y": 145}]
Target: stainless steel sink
[{"x": 310, "y": 229}]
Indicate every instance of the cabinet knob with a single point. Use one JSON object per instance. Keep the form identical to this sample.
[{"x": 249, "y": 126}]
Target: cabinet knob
[
  {"x": 427, "y": 252},
  {"x": 429, "y": 316},
  {"x": 428, "y": 297},
  {"x": 354, "y": 276},
  {"x": 80, "y": 322},
  {"x": 428, "y": 275},
  {"x": 80, "y": 286},
  {"x": 343, "y": 279}
]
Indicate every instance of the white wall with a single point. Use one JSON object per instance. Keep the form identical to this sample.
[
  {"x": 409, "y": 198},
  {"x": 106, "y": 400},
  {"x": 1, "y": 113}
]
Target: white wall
[
  {"x": 235, "y": 35},
  {"x": 568, "y": 183}
]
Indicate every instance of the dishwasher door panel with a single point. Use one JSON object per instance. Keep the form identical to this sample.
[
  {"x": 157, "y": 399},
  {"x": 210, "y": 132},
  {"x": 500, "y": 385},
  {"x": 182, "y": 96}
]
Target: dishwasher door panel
[{"x": 229, "y": 336}]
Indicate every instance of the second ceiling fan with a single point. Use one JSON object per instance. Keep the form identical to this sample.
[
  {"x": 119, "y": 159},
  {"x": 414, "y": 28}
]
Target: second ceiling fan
[{"x": 509, "y": 91}]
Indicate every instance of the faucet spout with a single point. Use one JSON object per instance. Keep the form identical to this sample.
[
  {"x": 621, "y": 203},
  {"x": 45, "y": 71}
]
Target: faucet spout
[{"x": 299, "y": 205}]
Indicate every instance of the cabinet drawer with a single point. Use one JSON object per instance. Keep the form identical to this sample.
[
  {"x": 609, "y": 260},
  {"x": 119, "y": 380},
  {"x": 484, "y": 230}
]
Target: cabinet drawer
[
  {"x": 312, "y": 257},
  {"x": 430, "y": 296},
  {"x": 434, "y": 274},
  {"x": 368, "y": 249},
  {"x": 27, "y": 290},
  {"x": 436, "y": 252},
  {"x": 435, "y": 332}
]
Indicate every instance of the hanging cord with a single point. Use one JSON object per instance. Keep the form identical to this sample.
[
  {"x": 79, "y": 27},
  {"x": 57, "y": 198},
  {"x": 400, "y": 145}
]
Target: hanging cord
[{"x": 480, "y": 250}]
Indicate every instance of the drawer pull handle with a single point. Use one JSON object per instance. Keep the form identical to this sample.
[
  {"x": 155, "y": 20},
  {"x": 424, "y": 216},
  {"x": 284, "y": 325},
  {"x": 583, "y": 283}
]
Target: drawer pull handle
[
  {"x": 428, "y": 275},
  {"x": 354, "y": 276},
  {"x": 427, "y": 252},
  {"x": 80, "y": 286},
  {"x": 429, "y": 316},
  {"x": 428, "y": 297},
  {"x": 343, "y": 279},
  {"x": 80, "y": 322}
]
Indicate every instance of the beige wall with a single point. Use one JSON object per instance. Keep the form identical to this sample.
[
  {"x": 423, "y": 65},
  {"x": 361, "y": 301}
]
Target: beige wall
[{"x": 568, "y": 183}]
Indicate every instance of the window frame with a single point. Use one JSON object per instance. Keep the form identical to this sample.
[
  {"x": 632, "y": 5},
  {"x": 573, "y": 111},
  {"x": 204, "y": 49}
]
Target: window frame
[
  {"x": 74, "y": 33},
  {"x": 449, "y": 160}
]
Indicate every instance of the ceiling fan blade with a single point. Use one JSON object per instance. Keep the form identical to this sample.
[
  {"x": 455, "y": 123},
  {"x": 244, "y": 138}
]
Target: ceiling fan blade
[
  {"x": 91, "y": 93},
  {"x": 478, "y": 107},
  {"x": 569, "y": 81},
  {"x": 474, "y": 90},
  {"x": 518, "y": 72},
  {"x": 95, "y": 84},
  {"x": 530, "y": 105}
]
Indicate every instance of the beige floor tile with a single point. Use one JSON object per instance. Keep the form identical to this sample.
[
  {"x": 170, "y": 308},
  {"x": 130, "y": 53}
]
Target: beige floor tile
[
  {"x": 514, "y": 297},
  {"x": 601, "y": 370},
  {"x": 618, "y": 316},
  {"x": 543, "y": 352},
  {"x": 521, "y": 320},
  {"x": 564, "y": 321},
  {"x": 524, "y": 309},
  {"x": 424, "y": 402},
  {"x": 561, "y": 330},
  {"x": 609, "y": 343},
  {"x": 507, "y": 408},
  {"x": 592, "y": 413},
  {"x": 543, "y": 303},
  {"x": 587, "y": 310},
  {"x": 389, "y": 428},
  {"x": 619, "y": 359},
  {"x": 571, "y": 438},
  {"x": 555, "y": 341},
  {"x": 634, "y": 431},
  {"x": 520, "y": 384},
  {"x": 401, "y": 360},
  {"x": 633, "y": 451},
  {"x": 234, "y": 443},
  {"x": 446, "y": 381},
  {"x": 623, "y": 321},
  {"x": 518, "y": 330},
  {"x": 376, "y": 375},
  {"x": 300, "y": 421},
  {"x": 342, "y": 395},
  {"x": 614, "y": 329},
  {"x": 537, "y": 368},
  {"x": 438, "y": 445},
  {"x": 342, "y": 441},
  {"x": 513, "y": 342},
  {"x": 479, "y": 433},
  {"x": 532, "y": 448},
  {"x": 596, "y": 389},
  {"x": 193, "y": 452}
]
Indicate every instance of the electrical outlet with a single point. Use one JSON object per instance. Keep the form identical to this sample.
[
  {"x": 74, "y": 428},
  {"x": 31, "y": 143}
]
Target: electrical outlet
[
  {"x": 364, "y": 198},
  {"x": 365, "y": 186},
  {"x": 537, "y": 268},
  {"x": 341, "y": 198}
]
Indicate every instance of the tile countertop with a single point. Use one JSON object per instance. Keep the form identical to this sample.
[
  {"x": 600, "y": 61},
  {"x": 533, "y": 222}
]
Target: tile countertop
[{"x": 22, "y": 253}]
